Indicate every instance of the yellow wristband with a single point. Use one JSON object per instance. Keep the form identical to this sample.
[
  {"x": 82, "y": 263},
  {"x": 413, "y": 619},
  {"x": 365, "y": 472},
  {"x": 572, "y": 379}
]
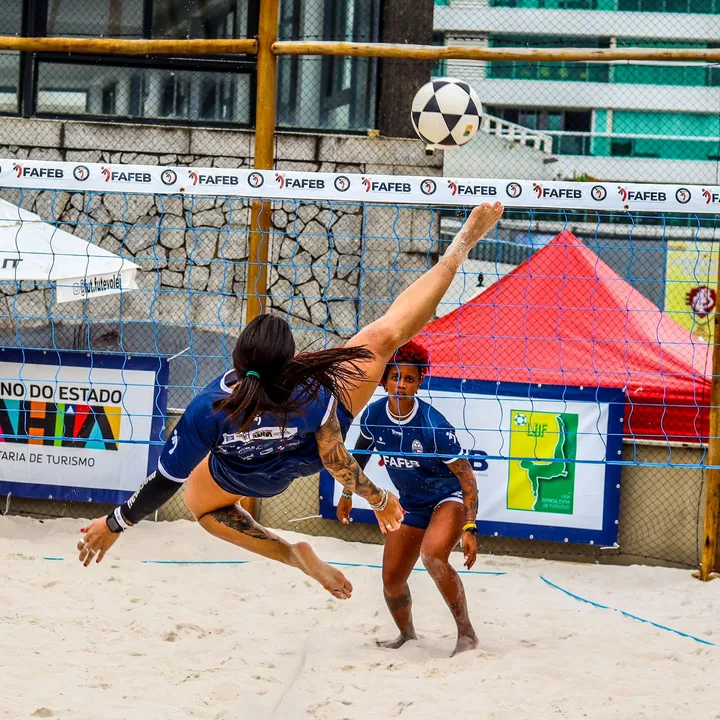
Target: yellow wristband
[{"x": 469, "y": 526}]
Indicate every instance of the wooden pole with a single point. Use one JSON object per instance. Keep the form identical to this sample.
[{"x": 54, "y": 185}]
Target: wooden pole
[
  {"x": 265, "y": 121},
  {"x": 456, "y": 52},
  {"x": 110, "y": 46},
  {"x": 712, "y": 485}
]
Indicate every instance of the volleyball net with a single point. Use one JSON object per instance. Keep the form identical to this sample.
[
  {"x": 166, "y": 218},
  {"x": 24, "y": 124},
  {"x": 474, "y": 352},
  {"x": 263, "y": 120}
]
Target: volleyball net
[{"x": 571, "y": 353}]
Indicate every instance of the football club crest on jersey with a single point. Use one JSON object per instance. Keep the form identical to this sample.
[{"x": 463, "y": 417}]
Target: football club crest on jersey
[{"x": 417, "y": 446}]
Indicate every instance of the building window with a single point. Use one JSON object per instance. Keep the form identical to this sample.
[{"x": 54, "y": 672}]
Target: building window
[
  {"x": 10, "y": 24},
  {"x": 670, "y": 6},
  {"x": 670, "y": 74},
  {"x": 199, "y": 19},
  {"x": 568, "y": 72},
  {"x": 555, "y": 4},
  {"x": 143, "y": 93},
  {"x": 328, "y": 92},
  {"x": 553, "y": 121},
  {"x": 95, "y": 18}
]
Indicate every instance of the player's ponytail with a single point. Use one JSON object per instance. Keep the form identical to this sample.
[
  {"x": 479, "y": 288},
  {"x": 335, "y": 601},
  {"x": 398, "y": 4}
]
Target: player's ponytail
[{"x": 269, "y": 372}]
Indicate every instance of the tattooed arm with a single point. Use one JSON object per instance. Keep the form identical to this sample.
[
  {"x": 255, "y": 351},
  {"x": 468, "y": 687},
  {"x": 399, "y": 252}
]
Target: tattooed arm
[
  {"x": 341, "y": 464},
  {"x": 464, "y": 473},
  {"x": 344, "y": 468}
]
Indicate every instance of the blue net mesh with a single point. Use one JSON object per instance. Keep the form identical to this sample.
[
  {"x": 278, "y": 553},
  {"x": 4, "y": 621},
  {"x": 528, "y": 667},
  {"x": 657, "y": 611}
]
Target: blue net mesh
[{"x": 555, "y": 306}]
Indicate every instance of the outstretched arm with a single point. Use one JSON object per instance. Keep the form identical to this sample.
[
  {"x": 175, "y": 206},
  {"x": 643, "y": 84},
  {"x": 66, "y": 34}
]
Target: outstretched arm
[
  {"x": 345, "y": 504},
  {"x": 344, "y": 468},
  {"x": 341, "y": 464}
]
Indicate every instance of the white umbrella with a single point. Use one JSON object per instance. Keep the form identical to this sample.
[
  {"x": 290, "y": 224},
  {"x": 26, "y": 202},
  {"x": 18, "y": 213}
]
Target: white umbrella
[{"x": 31, "y": 249}]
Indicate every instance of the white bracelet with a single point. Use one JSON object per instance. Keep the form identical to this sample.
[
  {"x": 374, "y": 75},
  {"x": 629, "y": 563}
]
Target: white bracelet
[
  {"x": 379, "y": 507},
  {"x": 120, "y": 519}
]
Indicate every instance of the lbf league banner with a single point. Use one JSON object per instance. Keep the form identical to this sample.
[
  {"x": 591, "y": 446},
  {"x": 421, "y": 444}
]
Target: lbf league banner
[
  {"x": 690, "y": 278},
  {"x": 539, "y": 454},
  {"x": 79, "y": 426}
]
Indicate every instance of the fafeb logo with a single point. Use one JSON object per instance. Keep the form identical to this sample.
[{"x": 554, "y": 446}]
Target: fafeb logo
[
  {"x": 198, "y": 178},
  {"x": 566, "y": 193},
  {"x": 301, "y": 183},
  {"x": 641, "y": 195},
  {"x": 457, "y": 188},
  {"x": 37, "y": 172},
  {"x": 125, "y": 177},
  {"x": 710, "y": 196},
  {"x": 384, "y": 186}
]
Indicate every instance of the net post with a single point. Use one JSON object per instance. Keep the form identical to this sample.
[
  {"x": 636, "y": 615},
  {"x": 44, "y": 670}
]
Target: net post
[
  {"x": 265, "y": 120},
  {"x": 712, "y": 498}
]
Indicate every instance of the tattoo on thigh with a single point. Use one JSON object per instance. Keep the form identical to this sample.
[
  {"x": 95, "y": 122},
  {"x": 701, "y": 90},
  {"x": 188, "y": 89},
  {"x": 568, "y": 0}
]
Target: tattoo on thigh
[
  {"x": 397, "y": 603},
  {"x": 238, "y": 519}
]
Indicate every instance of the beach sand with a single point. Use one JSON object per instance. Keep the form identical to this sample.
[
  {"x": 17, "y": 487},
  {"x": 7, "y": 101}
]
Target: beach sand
[{"x": 129, "y": 639}]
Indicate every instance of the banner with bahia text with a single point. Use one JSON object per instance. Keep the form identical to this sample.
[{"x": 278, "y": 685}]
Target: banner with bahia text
[
  {"x": 542, "y": 456},
  {"x": 79, "y": 426}
]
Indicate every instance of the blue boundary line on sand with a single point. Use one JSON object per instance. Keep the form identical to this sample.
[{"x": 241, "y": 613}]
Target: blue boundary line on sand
[
  {"x": 244, "y": 562},
  {"x": 626, "y": 614}
]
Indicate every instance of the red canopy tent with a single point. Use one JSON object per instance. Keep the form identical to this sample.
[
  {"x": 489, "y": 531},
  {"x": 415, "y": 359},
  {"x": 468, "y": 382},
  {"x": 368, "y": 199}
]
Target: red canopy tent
[{"x": 565, "y": 318}]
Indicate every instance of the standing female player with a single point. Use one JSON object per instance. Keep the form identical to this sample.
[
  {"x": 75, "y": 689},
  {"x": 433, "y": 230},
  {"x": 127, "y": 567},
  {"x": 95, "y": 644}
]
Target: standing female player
[
  {"x": 439, "y": 494},
  {"x": 277, "y": 416}
]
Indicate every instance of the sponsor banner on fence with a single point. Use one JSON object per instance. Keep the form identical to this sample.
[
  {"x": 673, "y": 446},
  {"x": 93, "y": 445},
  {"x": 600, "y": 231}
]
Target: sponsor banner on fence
[
  {"x": 79, "y": 426},
  {"x": 690, "y": 278},
  {"x": 338, "y": 187},
  {"x": 539, "y": 455}
]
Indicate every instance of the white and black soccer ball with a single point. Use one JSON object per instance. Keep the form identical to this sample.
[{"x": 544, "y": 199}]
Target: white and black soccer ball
[{"x": 446, "y": 112}]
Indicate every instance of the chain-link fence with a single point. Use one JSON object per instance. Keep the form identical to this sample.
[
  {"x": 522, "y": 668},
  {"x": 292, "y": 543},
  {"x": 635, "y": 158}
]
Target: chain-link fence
[
  {"x": 337, "y": 265},
  {"x": 630, "y": 121},
  {"x": 625, "y": 121}
]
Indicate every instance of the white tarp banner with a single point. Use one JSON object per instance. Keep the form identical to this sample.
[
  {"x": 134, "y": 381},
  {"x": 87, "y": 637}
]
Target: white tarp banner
[
  {"x": 339, "y": 187},
  {"x": 31, "y": 249},
  {"x": 540, "y": 462},
  {"x": 79, "y": 426}
]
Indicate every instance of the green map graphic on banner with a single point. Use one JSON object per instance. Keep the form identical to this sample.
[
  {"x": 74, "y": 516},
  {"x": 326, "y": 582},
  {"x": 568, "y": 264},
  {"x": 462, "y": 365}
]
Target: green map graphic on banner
[{"x": 548, "y": 483}]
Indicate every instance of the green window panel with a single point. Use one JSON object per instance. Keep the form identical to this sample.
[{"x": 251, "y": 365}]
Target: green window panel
[
  {"x": 670, "y": 6},
  {"x": 555, "y": 4},
  {"x": 690, "y": 75},
  {"x": 659, "y": 123},
  {"x": 569, "y": 72}
]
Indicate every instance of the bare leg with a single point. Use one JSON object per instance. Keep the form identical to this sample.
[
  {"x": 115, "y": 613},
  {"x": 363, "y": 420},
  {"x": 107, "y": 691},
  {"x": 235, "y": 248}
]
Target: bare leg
[
  {"x": 442, "y": 535},
  {"x": 402, "y": 549},
  {"x": 217, "y": 512},
  {"x": 414, "y": 307}
]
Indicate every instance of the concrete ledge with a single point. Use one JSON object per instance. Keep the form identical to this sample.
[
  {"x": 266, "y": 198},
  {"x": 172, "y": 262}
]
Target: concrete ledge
[
  {"x": 127, "y": 138},
  {"x": 31, "y": 132}
]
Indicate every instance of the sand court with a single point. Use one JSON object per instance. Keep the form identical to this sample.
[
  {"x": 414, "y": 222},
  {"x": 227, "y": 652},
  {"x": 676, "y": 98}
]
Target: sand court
[{"x": 223, "y": 639}]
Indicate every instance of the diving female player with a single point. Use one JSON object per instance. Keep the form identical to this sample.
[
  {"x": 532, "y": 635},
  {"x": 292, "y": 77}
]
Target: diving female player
[
  {"x": 437, "y": 490},
  {"x": 277, "y": 416}
]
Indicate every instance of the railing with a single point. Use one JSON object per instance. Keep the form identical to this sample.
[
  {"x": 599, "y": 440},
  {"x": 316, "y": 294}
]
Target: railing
[{"x": 492, "y": 125}]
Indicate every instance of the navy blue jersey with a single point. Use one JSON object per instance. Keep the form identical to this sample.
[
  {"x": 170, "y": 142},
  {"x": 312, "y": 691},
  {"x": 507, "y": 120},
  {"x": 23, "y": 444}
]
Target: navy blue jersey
[
  {"x": 419, "y": 480},
  {"x": 260, "y": 462}
]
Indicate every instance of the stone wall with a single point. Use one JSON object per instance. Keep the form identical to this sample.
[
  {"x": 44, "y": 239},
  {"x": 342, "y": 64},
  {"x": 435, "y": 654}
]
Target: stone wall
[{"x": 335, "y": 266}]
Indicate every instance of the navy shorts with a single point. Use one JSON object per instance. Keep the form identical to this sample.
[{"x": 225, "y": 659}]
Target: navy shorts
[
  {"x": 275, "y": 478},
  {"x": 418, "y": 516}
]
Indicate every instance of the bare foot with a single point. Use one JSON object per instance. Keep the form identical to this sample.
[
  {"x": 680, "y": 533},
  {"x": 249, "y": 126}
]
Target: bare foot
[
  {"x": 329, "y": 577},
  {"x": 465, "y": 643},
  {"x": 481, "y": 220},
  {"x": 396, "y": 643}
]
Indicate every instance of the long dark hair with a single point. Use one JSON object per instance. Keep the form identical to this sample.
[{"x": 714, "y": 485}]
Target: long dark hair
[{"x": 266, "y": 348}]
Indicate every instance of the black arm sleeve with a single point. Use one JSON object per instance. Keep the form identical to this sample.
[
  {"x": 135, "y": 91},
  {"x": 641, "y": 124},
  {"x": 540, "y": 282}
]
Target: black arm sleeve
[
  {"x": 155, "y": 491},
  {"x": 363, "y": 444}
]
